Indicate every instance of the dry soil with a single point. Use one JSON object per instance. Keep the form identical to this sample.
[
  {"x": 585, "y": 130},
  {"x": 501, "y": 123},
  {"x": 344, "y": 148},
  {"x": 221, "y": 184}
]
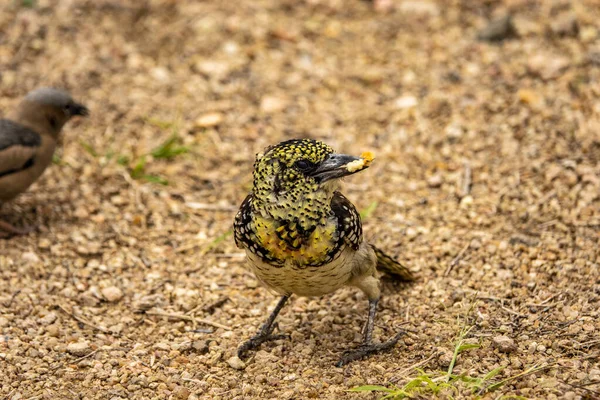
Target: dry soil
[{"x": 486, "y": 184}]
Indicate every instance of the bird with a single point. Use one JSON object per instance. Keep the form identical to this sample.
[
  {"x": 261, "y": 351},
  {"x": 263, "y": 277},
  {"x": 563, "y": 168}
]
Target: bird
[
  {"x": 28, "y": 138},
  {"x": 303, "y": 237}
]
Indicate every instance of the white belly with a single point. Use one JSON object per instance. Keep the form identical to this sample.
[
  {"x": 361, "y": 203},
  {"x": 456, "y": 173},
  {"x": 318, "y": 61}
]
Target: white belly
[{"x": 307, "y": 281}]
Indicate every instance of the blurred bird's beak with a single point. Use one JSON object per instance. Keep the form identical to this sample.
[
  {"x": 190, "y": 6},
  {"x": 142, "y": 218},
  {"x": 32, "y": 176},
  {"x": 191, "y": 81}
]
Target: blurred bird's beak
[
  {"x": 79, "y": 109},
  {"x": 339, "y": 165}
]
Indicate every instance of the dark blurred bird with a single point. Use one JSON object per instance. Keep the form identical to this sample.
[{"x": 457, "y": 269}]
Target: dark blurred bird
[
  {"x": 302, "y": 236},
  {"x": 28, "y": 138}
]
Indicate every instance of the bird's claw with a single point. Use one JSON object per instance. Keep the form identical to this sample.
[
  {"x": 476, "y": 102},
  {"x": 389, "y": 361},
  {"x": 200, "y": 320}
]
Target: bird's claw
[
  {"x": 257, "y": 340},
  {"x": 8, "y": 230},
  {"x": 264, "y": 335},
  {"x": 365, "y": 350}
]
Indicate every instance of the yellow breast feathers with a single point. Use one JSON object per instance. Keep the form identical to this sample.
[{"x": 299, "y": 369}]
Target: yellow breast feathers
[{"x": 290, "y": 242}]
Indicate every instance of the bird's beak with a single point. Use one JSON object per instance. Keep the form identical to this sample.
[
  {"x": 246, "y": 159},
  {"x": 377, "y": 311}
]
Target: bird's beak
[
  {"x": 339, "y": 165},
  {"x": 79, "y": 109}
]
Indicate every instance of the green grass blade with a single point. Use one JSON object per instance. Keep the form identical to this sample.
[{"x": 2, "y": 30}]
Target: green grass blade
[
  {"x": 366, "y": 213},
  {"x": 492, "y": 373},
  {"x": 88, "y": 148},
  {"x": 123, "y": 160},
  {"x": 156, "y": 179},
  {"x": 160, "y": 123},
  {"x": 467, "y": 346},
  {"x": 169, "y": 148},
  {"x": 139, "y": 168}
]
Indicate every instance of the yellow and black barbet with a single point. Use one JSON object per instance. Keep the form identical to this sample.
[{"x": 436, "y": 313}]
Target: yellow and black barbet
[{"x": 303, "y": 237}]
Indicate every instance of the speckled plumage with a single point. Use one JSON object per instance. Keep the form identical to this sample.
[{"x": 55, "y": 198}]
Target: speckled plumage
[{"x": 301, "y": 235}]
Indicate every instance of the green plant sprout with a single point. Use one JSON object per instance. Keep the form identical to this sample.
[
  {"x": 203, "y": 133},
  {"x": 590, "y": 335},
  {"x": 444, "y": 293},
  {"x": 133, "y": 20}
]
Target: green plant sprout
[
  {"x": 367, "y": 212},
  {"x": 432, "y": 384},
  {"x": 167, "y": 150}
]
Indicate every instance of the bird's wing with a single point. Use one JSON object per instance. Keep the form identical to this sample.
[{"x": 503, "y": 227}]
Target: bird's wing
[
  {"x": 18, "y": 146},
  {"x": 349, "y": 224},
  {"x": 350, "y": 228},
  {"x": 244, "y": 233},
  {"x": 242, "y": 224}
]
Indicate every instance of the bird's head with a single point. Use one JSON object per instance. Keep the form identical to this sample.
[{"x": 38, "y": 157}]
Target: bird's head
[
  {"x": 50, "y": 108},
  {"x": 300, "y": 171}
]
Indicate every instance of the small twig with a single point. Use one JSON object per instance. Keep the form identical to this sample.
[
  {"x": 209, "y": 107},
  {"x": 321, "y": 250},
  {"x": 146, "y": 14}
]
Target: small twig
[
  {"x": 30, "y": 310},
  {"x": 82, "y": 320},
  {"x": 210, "y": 207},
  {"x": 86, "y": 356},
  {"x": 159, "y": 285},
  {"x": 188, "y": 318},
  {"x": 590, "y": 343},
  {"x": 187, "y": 247},
  {"x": 456, "y": 259},
  {"x": 10, "y": 394},
  {"x": 583, "y": 387},
  {"x": 414, "y": 366},
  {"x": 210, "y": 308},
  {"x": 543, "y": 303},
  {"x": 192, "y": 380},
  {"x": 78, "y": 360},
  {"x": 513, "y": 312},
  {"x": 591, "y": 356},
  {"x": 547, "y": 224},
  {"x": 545, "y": 198},
  {"x": 12, "y": 298},
  {"x": 219, "y": 303},
  {"x": 203, "y": 330},
  {"x": 529, "y": 371},
  {"x": 467, "y": 180}
]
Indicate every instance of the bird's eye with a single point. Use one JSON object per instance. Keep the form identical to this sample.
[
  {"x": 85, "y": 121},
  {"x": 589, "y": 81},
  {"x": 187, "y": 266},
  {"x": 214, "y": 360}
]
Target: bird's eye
[
  {"x": 53, "y": 121},
  {"x": 302, "y": 165}
]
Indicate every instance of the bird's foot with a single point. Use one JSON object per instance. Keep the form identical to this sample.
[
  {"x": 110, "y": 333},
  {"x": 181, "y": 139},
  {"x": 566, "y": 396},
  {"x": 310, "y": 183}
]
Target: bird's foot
[
  {"x": 258, "y": 339},
  {"x": 366, "y": 349},
  {"x": 7, "y": 230}
]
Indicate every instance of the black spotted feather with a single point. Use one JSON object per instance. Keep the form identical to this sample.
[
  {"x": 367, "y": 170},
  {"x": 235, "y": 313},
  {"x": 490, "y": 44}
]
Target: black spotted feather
[
  {"x": 244, "y": 234},
  {"x": 349, "y": 224}
]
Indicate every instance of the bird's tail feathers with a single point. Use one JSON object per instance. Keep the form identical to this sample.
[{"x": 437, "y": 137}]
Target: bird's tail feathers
[{"x": 390, "y": 266}]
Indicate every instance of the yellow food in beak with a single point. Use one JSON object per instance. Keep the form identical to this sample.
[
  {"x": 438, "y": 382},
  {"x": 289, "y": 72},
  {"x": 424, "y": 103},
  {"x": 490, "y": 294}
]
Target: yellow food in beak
[{"x": 364, "y": 162}]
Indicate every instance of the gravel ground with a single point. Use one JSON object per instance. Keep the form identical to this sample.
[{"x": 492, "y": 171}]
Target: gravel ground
[{"x": 486, "y": 184}]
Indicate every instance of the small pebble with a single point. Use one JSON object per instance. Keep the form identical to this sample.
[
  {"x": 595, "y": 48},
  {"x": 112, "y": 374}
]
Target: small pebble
[
  {"x": 565, "y": 25},
  {"x": 209, "y": 120},
  {"x": 435, "y": 181},
  {"x": 112, "y": 294},
  {"x": 49, "y": 318},
  {"x": 498, "y": 29},
  {"x": 504, "y": 344},
  {"x": 272, "y": 104},
  {"x": 405, "y": 102},
  {"x": 236, "y": 363},
  {"x": 53, "y": 330},
  {"x": 30, "y": 257},
  {"x": 79, "y": 349},
  {"x": 181, "y": 392}
]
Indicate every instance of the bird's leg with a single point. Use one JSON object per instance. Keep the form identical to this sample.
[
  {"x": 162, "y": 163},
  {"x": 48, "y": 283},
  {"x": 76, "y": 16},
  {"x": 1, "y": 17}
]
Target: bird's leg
[
  {"x": 367, "y": 347},
  {"x": 12, "y": 230},
  {"x": 265, "y": 332}
]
